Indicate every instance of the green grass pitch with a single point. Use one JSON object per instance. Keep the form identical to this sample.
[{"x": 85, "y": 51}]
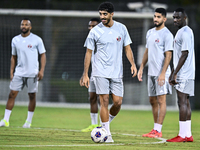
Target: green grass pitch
[{"x": 59, "y": 129}]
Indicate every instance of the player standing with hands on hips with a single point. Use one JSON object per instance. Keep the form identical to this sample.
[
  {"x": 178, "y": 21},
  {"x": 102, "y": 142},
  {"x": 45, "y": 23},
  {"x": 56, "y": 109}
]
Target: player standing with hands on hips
[
  {"x": 183, "y": 74},
  {"x": 109, "y": 37},
  {"x": 158, "y": 53},
  {"x": 24, "y": 60}
]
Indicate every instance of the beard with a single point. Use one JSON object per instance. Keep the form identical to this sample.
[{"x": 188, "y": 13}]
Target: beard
[
  {"x": 108, "y": 21},
  {"x": 158, "y": 25},
  {"x": 25, "y": 31}
]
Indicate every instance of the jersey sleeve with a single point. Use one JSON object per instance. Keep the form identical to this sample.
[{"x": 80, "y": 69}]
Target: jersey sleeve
[
  {"x": 186, "y": 42},
  {"x": 41, "y": 48},
  {"x": 169, "y": 42},
  {"x": 90, "y": 41},
  {"x": 127, "y": 39},
  {"x": 14, "y": 51}
]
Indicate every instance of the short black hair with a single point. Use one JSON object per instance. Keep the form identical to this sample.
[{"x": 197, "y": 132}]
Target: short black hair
[
  {"x": 161, "y": 11},
  {"x": 181, "y": 10},
  {"x": 25, "y": 18},
  {"x": 106, "y": 6},
  {"x": 95, "y": 19}
]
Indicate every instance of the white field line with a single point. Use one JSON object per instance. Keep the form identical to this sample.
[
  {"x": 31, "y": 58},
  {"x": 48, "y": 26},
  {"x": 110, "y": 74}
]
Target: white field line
[{"x": 162, "y": 140}]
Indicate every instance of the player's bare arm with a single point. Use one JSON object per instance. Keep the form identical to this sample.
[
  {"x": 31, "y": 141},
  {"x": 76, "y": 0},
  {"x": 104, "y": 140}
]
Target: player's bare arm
[
  {"x": 43, "y": 64},
  {"x": 86, "y": 80},
  {"x": 161, "y": 78},
  {"x": 144, "y": 61},
  {"x": 180, "y": 64},
  {"x": 129, "y": 55},
  {"x": 12, "y": 65},
  {"x": 169, "y": 80}
]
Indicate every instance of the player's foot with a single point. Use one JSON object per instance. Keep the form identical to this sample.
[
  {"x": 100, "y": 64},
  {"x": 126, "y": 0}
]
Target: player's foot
[
  {"x": 155, "y": 134},
  {"x": 90, "y": 128},
  {"x": 147, "y": 134},
  {"x": 177, "y": 139},
  {"x": 27, "y": 124},
  {"x": 4, "y": 123},
  {"x": 109, "y": 139},
  {"x": 189, "y": 139}
]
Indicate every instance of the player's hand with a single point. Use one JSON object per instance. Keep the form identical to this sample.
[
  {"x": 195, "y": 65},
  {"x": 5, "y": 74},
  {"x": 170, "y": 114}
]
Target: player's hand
[
  {"x": 173, "y": 79},
  {"x": 169, "y": 80},
  {"x": 133, "y": 70},
  {"x": 40, "y": 75},
  {"x": 161, "y": 79},
  {"x": 81, "y": 81},
  {"x": 86, "y": 81},
  {"x": 139, "y": 75}
]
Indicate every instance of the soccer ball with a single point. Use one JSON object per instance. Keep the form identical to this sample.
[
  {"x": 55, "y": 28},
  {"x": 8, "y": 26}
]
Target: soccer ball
[{"x": 99, "y": 135}]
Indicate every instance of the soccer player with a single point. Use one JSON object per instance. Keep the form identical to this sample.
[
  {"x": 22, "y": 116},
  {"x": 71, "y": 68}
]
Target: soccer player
[
  {"x": 109, "y": 37},
  {"x": 183, "y": 74},
  {"x": 92, "y": 90},
  {"x": 24, "y": 60},
  {"x": 158, "y": 53}
]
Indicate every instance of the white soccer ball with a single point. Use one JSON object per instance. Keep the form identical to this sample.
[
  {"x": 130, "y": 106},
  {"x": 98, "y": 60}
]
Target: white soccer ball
[{"x": 99, "y": 135}]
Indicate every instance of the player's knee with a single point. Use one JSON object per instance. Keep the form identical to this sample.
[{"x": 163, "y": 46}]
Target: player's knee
[
  {"x": 118, "y": 103},
  {"x": 153, "y": 101},
  {"x": 181, "y": 102},
  {"x": 32, "y": 96},
  {"x": 12, "y": 95}
]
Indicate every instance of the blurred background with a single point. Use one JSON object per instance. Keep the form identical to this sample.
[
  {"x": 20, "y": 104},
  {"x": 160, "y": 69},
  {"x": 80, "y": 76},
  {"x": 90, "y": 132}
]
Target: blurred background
[{"x": 63, "y": 26}]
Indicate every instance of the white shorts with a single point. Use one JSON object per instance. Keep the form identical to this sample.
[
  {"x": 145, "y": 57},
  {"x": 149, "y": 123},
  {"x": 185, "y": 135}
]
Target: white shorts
[
  {"x": 185, "y": 86},
  {"x": 154, "y": 89},
  {"x": 108, "y": 86},
  {"x": 92, "y": 87},
  {"x": 18, "y": 83}
]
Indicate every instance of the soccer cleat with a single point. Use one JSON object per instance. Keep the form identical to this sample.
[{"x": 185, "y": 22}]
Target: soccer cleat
[
  {"x": 155, "y": 134},
  {"x": 189, "y": 139},
  {"x": 27, "y": 124},
  {"x": 90, "y": 128},
  {"x": 177, "y": 139},
  {"x": 109, "y": 139},
  {"x": 4, "y": 123},
  {"x": 146, "y": 135}
]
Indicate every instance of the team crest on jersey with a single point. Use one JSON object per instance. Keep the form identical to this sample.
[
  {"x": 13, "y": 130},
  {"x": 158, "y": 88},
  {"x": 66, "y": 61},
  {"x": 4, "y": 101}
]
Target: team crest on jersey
[
  {"x": 119, "y": 38},
  {"x": 29, "y": 46},
  {"x": 157, "y": 40}
]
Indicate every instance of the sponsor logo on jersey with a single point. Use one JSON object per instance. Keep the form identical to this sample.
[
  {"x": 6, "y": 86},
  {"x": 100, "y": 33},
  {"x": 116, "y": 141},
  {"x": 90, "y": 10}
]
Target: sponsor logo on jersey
[
  {"x": 157, "y": 41},
  {"x": 119, "y": 38},
  {"x": 29, "y": 46}
]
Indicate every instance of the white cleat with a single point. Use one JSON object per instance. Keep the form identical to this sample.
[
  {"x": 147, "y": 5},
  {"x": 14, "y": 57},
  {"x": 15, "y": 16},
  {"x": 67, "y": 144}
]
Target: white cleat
[
  {"x": 27, "y": 124},
  {"x": 4, "y": 123},
  {"x": 109, "y": 140}
]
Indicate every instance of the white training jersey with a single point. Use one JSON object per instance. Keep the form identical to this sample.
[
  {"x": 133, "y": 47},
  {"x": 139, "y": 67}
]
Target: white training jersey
[
  {"x": 26, "y": 49},
  {"x": 158, "y": 42},
  {"x": 184, "y": 40},
  {"x": 109, "y": 43}
]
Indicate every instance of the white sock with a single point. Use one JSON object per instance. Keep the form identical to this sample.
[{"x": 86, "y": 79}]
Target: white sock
[
  {"x": 106, "y": 125},
  {"x": 188, "y": 126},
  {"x": 7, "y": 114},
  {"x": 94, "y": 118},
  {"x": 154, "y": 126},
  {"x": 157, "y": 127},
  {"x": 30, "y": 116},
  {"x": 182, "y": 129},
  {"x": 111, "y": 117}
]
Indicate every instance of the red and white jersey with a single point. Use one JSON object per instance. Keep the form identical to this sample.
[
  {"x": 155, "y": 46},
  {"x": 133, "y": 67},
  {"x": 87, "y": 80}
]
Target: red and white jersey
[
  {"x": 26, "y": 49},
  {"x": 184, "y": 41},
  {"x": 158, "y": 42}
]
